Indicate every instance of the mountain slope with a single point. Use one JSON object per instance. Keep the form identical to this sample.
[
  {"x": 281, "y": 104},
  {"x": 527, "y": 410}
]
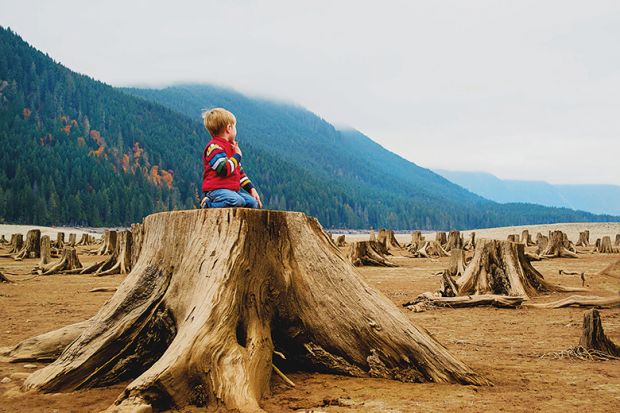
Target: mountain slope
[
  {"x": 599, "y": 199},
  {"x": 76, "y": 151}
]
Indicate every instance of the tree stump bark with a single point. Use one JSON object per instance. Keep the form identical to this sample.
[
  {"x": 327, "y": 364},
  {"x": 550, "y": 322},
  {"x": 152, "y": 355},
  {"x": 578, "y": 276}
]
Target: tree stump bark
[
  {"x": 362, "y": 253},
  {"x": 501, "y": 268},
  {"x": 109, "y": 242},
  {"x": 605, "y": 246},
  {"x": 137, "y": 234},
  {"x": 215, "y": 292},
  {"x": 526, "y": 238},
  {"x": 431, "y": 249},
  {"x": 46, "y": 251},
  {"x": 32, "y": 246},
  {"x": 387, "y": 238},
  {"x": 593, "y": 336},
  {"x": 556, "y": 247},
  {"x": 584, "y": 239},
  {"x": 454, "y": 241},
  {"x": 17, "y": 243},
  {"x": 441, "y": 238},
  {"x": 68, "y": 261},
  {"x": 60, "y": 240}
]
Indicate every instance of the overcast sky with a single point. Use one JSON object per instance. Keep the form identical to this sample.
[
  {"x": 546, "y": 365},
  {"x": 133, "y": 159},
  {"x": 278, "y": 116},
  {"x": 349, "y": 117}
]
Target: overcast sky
[{"x": 522, "y": 89}]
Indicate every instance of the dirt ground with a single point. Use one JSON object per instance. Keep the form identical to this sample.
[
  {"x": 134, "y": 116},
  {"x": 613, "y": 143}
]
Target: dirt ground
[{"x": 505, "y": 345}]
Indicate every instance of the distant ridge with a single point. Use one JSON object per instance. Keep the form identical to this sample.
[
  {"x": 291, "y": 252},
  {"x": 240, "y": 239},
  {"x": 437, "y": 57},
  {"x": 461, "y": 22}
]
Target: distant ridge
[{"x": 598, "y": 199}]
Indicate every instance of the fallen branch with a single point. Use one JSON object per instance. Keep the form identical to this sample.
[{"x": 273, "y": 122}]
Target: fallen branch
[{"x": 580, "y": 301}]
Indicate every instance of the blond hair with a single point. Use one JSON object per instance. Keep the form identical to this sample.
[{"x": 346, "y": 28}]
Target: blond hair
[{"x": 217, "y": 119}]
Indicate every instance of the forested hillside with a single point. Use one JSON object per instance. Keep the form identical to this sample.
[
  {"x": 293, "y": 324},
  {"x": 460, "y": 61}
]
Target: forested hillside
[{"x": 77, "y": 151}]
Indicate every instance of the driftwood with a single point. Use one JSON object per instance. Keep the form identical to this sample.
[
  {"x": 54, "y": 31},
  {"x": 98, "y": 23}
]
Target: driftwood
[
  {"x": 109, "y": 242},
  {"x": 584, "y": 239},
  {"x": 362, "y": 253},
  {"x": 431, "y": 249},
  {"x": 557, "y": 247},
  {"x": 102, "y": 290},
  {"x": 340, "y": 241},
  {"x": 16, "y": 244},
  {"x": 593, "y": 336},
  {"x": 501, "y": 268},
  {"x": 605, "y": 246},
  {"x": 455, "y": 241},
  {"x": 32, "y": 246},
  {"x": 526, "y": 238},
  {"x": 582, "y": 275},
  {"x": 68, "y": 261},
  {"x": 215, "y": 292},
  {"x": 580, "y": 301},
  {"x": 427, "y": 301},
  {"x": 3, "y": 279}
]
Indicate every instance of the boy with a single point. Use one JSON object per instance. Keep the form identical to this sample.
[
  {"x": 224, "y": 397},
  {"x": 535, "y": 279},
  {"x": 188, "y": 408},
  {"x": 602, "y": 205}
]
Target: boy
[{"x": 223, "y": 175}]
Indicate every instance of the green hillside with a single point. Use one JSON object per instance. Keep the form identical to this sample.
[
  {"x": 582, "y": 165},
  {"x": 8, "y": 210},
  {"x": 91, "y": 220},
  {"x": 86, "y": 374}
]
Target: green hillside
[{"x": 77, "y": 151}]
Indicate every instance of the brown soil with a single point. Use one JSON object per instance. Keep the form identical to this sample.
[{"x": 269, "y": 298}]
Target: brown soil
[{"x": 504, "y": 345}]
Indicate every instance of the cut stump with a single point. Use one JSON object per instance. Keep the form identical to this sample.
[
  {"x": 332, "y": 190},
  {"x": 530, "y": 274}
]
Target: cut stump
[
  {"x": 68, "y": 261},
  {"x": 32, "y": 246},
  {"x": 558, "y": 246},
  {"x": 362, "y": 253},
  {"x": 584, "y": 239},
  {"x": 455, "y": 241},
  {"x": 604, "y": 247},
  {"x": 17, "y": 242},
  {"x": 215, "y": 292},
  {"x": 109, "y": 242},
  {"x": 593, "y": 336}
]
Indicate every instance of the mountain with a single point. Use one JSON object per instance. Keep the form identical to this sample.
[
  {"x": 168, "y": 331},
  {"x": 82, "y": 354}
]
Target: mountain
[
  {"x": 74, "y": 150},
  {"x": 598, "y": 199}
]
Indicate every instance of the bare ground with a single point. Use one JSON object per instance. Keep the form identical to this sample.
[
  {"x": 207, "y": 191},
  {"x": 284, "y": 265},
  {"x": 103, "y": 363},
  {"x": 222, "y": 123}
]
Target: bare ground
[{"x": 504, "y": 345}]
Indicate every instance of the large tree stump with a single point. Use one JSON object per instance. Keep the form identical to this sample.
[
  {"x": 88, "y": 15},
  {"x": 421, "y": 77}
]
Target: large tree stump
[
  {"x": 109, "y": 242},
  {"x": 32, "y": 246},
  {"x": 500, "y": 267},
  {"x": 617, "y": 242},
  {"x": 72, "y": 240},
  {"x": 513, "y": 238},
  {"x": 46, "y": 251},
  {"x": 556, "y": 247},
  {"x": 584, "y": 239},
  {"x": 68, "y": 261},
  {"x": 367, "y": 253},
  {"x": 526, "y": 238},
  {"x": 456, "y": 263},
  {"x": 541, "y": 243},
  {"x": 372, "y": 237},
  {"x": 17, "y": 242},
  {"x": 60, "y": 241},
  {"x": 417, "y": 240},
  {"x": 431, "y": 249},
  {"x": 455, "y": 241},
  {"x": 605, "y": 247},
  {"x": 387, "y": 238},
  {"x": 471, "y": 242},
  {"x": 215, "y": 292},
  {"x": 120, "y": 262},
  {"x": 86, "y": 239},
  {"x": 441, "y": 238},
  {"x": 593, "y": 336}
]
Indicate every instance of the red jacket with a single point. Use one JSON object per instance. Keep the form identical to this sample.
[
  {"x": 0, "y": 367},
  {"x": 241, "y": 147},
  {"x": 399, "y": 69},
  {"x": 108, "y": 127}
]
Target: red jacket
[{"x": 222, "y": 167}]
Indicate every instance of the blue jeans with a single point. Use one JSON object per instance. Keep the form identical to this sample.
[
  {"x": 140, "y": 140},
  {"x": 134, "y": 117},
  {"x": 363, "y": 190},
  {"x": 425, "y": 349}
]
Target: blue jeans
[{"x": 225, "y": 198}]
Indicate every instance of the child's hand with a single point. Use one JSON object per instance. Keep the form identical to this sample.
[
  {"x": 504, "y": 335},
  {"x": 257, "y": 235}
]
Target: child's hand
[
  {"x": 235, "y": 147},
  {"x": 254, "y": 194}
]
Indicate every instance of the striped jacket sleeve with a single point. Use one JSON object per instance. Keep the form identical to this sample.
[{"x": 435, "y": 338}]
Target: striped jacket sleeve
[
  {"x": 219, "y": 162},
  {"x": 245, "y": 181}
]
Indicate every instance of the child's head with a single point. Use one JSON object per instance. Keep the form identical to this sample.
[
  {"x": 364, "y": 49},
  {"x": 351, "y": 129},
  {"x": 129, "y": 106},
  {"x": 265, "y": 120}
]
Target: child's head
[{"x": 220, "y": 122}]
